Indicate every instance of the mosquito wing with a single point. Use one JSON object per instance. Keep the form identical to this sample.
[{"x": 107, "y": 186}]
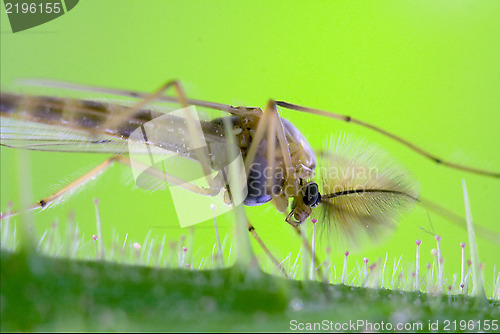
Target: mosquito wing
[
  {"x": 72, "y": 125},
  {"x": 44, "y": 137}
]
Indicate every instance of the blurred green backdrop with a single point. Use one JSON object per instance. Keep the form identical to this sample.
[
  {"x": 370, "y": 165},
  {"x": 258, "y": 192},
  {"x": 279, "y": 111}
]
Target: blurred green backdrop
[{"x": 428, "y": 71}]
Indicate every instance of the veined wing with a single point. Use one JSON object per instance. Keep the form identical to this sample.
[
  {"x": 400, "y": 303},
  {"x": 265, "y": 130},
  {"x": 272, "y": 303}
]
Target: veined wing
[
  {"x": 44, "y": 137},
  {"x": 73, "y": 125}
]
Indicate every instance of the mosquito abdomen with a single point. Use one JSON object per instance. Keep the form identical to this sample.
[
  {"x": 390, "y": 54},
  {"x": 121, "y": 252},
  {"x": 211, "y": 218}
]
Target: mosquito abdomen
[
  {"x": 8, "y": 103},
  {"x": 86, "y": 115}
]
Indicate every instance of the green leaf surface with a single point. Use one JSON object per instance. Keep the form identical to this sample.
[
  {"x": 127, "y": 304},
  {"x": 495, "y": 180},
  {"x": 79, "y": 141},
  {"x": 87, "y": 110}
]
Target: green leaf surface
[{"x": 40, "y": 293}]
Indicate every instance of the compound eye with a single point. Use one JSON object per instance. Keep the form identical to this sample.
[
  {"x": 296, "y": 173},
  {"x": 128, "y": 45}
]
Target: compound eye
[{"x": 311, "y": 194}]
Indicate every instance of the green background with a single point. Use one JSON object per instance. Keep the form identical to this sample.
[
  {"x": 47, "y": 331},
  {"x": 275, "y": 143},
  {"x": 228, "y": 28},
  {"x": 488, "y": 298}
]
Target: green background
[{"x": 426, "y": 70}]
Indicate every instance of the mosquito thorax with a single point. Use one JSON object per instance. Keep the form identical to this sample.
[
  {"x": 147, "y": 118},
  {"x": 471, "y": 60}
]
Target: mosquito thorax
[
  {"x": 242, "y": 129},
  {"x": 268, "y": 180}
]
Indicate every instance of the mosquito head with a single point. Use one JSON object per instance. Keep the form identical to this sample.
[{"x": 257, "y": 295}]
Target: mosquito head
[
  {"x": 307, "y": 198},
  {"x": 312, "y": 197}
]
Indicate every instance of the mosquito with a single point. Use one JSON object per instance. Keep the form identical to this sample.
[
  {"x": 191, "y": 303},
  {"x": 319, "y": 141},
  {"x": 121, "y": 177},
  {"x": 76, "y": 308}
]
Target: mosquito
[{"x": 279, "y": 163}]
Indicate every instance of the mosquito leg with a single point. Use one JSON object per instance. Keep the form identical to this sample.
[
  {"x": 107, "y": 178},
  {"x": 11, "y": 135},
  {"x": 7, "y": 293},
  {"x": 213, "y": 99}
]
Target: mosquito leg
[
  {"x": 405, "y": 142},
  {"x": 271, "y": 147},
  {"x": 266, "y": 121},
  {"x": 45, "y": 202},
  {"x": 483, "y": 232},
  {"x": 285, "y": 150},
  {"x": 266, "y": 250},
  {"x": 195, "y": 134},
  {"x": 239, "y": 111},
  {"x": 117, "y": 121},
  {"x": 257, "y": 139},
  {"x": 161, "y": 175}
]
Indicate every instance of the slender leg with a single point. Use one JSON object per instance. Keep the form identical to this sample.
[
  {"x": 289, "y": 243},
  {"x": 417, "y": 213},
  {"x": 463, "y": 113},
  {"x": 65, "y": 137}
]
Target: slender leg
[
  {"x": 483, "y": 232},
  {"x": 161, "y": 175},
  {"x": 47, "y": 201},
  {"x": 285, "y": 151},
  {"x": 239, "y": 111},
  {"x": 279, "y": 201},
  {"x": 120, "y": 118},
  {"x": 266, "y": 250},
  {"x": 271, "y": 146},
  {"x": 405, "y": 142},
  {"x": 271, "y": 122},
  {"x": 256, "y": 140},
  {"x": 269, "y": 119}
]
